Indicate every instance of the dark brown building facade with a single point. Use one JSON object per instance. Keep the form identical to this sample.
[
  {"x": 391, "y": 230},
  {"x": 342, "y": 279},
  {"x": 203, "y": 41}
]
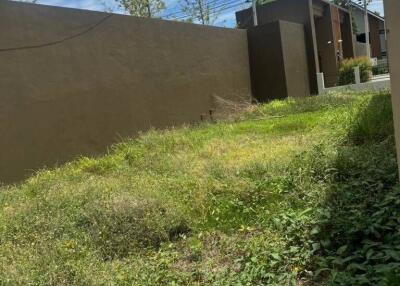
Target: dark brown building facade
[
  {"x": 328, "y": 32},
  {"x": 278, "y": 61}
]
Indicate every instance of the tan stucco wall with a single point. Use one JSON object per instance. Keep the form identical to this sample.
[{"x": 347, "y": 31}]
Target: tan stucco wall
[
  {"x": 392, "y": 12},
  {"x": 87, "y": 90}
]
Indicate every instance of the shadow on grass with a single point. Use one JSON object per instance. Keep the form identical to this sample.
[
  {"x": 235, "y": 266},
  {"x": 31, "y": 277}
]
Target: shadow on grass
[{"x": 357, "y": 238}]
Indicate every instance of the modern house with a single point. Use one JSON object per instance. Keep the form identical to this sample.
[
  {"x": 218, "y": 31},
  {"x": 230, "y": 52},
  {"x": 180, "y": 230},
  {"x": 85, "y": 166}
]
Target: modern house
[
  {"x": 377, "y": 32},
  {"x": 328, "y": 32}
]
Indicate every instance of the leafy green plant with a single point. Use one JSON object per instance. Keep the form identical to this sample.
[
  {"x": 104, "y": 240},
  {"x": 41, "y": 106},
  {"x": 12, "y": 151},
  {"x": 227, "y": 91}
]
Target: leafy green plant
[
  {"x": 379, "y": 70},
  {"x": 346, "y": 70}
]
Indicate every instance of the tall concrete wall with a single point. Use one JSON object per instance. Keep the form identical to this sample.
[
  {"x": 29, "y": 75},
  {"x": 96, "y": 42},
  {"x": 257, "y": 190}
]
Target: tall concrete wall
[
  {"x": 361, "y": 50},
  {"x": 267, "y": 62},
  {"x": 73, "y": 82},
  {"x": 295, "y": 59},
  {"x": 278, "y": 61},
  {"x": 392, "y": 12},
  {"x": 296, "y": 11}
]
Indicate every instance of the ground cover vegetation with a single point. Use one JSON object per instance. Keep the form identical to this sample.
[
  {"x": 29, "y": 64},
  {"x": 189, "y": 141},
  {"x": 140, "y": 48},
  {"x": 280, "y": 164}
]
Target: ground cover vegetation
[{"x": 294, "y": 192}]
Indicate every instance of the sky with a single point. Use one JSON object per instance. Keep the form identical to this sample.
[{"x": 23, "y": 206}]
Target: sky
[
  {"x": 225, "y": 18},
  {"x": 376, "y": 6},
  {"x": 96, "y": 5}
]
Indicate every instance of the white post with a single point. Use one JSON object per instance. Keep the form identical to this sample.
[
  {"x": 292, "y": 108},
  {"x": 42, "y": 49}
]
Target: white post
[
  {"x": 357, "y": 75},
  {"x": 367, "y": 41},
  {"x": 254, "y": 5},
  {"x": 321, "y": 82}
]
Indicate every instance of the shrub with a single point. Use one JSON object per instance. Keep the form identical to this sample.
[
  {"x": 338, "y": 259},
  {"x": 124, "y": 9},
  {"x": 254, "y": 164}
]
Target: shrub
[
  {"x": 378, "y": 70},
  {"x": 346, "y": 70}
]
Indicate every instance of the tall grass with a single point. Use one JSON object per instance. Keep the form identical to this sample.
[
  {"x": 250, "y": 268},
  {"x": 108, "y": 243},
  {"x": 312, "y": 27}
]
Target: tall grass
[{"x": 282, "y": 194}]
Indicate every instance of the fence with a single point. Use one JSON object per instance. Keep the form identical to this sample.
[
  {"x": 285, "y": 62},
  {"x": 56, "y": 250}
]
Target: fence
[{"x": 381, "y": 67}]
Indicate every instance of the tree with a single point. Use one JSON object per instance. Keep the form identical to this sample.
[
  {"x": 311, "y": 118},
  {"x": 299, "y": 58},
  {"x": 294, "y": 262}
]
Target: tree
[
  {"x": 342, "y": 3},
  {"x": 201, "y": 11},
  {"x": 142, "y": 8},
  {"x": 346, "y": 3}
]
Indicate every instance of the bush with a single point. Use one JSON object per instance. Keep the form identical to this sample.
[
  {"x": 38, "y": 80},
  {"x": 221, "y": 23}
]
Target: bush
[
  {"x": 378, "y": 70},
  {"x": 346, "y": 70}
]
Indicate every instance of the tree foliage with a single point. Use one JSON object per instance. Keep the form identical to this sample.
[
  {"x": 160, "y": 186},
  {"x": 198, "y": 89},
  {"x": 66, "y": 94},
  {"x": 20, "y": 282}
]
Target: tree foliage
[
  {"x": 142, "y": 8},
  {"x": 346, "y": 3},
  {"x": 200, "y": 11},
  {"x": 342, "y": 3}
]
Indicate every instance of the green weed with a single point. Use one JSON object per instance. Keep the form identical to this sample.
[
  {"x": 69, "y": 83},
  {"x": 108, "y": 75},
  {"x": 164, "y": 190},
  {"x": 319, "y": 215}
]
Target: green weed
[{"x": 294, "y": 192}]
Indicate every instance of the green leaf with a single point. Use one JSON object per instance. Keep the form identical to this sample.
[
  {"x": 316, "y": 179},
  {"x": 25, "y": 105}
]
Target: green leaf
[
  {"x": 315, "y": 230},
  {"x": 275, "y": 256},
  {"x": 369, "y": 254},
  {"x": 393, "y": 254},
  {"x": 305, "y": 212},
  {"x": 341, "y": 250},
  {"x": 325, "y": 243},
  {"x": 356, "y": 266}
]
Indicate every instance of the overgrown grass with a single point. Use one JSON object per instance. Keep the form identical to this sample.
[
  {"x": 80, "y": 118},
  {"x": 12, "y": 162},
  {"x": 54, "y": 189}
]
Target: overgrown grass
[{"x": 295, "y": 192}]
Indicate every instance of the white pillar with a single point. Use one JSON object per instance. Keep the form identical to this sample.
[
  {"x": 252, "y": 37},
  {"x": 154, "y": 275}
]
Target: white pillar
[
  {"x": 321, "y": 82},
  {"x": 357, "y": 75},
  {"x": 254, "y": 7}
]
